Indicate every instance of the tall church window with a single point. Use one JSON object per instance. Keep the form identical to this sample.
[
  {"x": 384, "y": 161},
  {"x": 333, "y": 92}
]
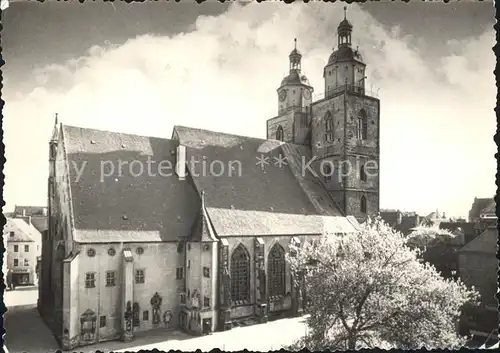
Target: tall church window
[
  {"x": 363, "y": 204},
  {"x": 276, "y": 271},
  {"x": 279, "y": 133},
  {"x": 240, "y": 274},
  {"x": 362, "y": 173},
  {"x": 329, "y": 127},
  {"x": 362, "y": 125}
]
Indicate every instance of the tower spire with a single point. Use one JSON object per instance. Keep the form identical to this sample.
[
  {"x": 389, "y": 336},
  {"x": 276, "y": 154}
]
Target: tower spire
[
  {"x": 295, "y": 58},
  {"x": 56, "y": 120},
  {"x": 345, "y": 12}
]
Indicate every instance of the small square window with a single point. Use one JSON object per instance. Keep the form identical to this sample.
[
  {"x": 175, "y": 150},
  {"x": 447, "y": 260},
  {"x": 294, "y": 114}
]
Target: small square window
[
  {"x": 26, "y": 248},
  {"x": 110, "y": 279},
  {"x": 206, "y": 302},
  {"x": 16, "y": 262},
  {"x": 206, "y": 272},
  {"x": 179, "y": 273},
  {"x": 139, "y": 276},
  {"x": 89, "y": 280},
  {"x": 183, "y": 298},
  {"x": 12, "y": 234},
  {"x": 145, "y": 315},
  {"x": 26, "y": 262},
  {"x": 16, "y": 248},
  {"x": 102, "y": 321}
]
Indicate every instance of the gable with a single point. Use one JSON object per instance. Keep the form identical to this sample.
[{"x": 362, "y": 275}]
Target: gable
[{"x": 244, "y": 197}]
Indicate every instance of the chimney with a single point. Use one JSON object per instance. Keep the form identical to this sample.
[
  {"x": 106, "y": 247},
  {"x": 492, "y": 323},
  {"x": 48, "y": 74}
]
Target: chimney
[
  {"x": 444, "y": 215},
  {"x": 180, "y": 166},
  {"x": 28, "y": 220},
  {"x": 44, "y": 211},
  {"x": 24, "y": 212}
]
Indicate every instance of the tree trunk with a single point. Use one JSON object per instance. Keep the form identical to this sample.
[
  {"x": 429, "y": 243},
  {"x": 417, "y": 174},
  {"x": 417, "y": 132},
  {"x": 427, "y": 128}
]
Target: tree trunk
[{"x": 351, "y": 342}]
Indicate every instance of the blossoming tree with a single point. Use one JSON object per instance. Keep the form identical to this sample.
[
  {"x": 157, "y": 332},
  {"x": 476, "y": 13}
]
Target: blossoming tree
[{"x": 368, "y": 289}]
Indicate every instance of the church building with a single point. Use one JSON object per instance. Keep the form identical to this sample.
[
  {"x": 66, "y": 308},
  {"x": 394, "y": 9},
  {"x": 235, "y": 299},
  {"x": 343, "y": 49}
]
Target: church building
[{"x": 190, "y": 232}]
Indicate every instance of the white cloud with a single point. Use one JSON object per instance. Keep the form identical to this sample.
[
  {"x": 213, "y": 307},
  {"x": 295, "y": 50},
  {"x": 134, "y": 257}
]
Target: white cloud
[{"x": 437, "y": 117}]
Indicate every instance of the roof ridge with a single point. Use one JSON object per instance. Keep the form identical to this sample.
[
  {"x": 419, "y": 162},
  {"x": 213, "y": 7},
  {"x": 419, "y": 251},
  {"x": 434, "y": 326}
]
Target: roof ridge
[
  {"x": 221, "y": 133},
  {"x": 115, "y": 132}
]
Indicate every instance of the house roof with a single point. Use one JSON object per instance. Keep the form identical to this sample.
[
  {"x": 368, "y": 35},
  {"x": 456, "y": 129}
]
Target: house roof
[
  {"x": 120, "y": 204},
  {"x": 249, "y": 199},
  {"x": 390, "y": 217},
  {"x": 486, "y": 242},
  {"x": 23, "y": 232}
]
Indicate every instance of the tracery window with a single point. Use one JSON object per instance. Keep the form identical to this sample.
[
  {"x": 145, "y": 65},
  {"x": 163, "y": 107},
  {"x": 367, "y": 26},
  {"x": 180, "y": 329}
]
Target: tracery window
[
  {"x": 329, "y": 135},
  {"x": 276, "y": 271},
  {"x": 279, "y": 133},
  {"x": 240, "y": 274}
]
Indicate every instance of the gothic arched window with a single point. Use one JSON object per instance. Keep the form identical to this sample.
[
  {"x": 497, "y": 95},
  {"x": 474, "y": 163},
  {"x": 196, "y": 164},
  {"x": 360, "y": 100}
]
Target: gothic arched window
[
  {"x": 362, "y": 125},
  {"x": 329, "y": 135},
  {"x": 280, "y": 136},
  {"x": 362, "y": 173},
  {"x": 240, "y": 274},
  {"x": 363, "y": 204},
  {"x": 276, "y": 271}
]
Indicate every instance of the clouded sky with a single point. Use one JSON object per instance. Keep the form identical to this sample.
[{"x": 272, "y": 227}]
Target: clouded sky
[{"x": 142, "y": 68}]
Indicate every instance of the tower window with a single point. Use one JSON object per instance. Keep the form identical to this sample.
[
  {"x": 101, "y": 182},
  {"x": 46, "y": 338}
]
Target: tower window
[
  {"x": 363, "y": 204},
  {"x": 329, "y": 127},
  {"x": 362, "y": 126},
  {"x": 279, "y": 133},
  {"x": 362, "y": 173}
]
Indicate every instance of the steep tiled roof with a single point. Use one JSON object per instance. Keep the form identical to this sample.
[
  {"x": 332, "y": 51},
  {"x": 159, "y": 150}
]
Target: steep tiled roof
[
  {"x": 249, "y": 199},
  {"x": 23, "y": 232},
  {"x": 124, "y": 204}
]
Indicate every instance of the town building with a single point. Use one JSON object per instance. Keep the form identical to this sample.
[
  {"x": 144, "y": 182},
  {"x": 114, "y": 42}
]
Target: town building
[
  {"x": 201, "y": 246},
  {"x": 478, "y": 267},
  {"x": 22, "y": 243}
]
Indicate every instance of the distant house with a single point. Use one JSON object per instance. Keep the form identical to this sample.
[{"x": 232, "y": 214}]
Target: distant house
[
  {"x": 478, "y": 264},
  {"x": 482, "y": 208},
  {"x": 392, "y": 217},
  {"x": 403, "y": 222},
  {"x": 478, "y": 267},
  {"x": 36, "y": 215},
  {"x": 23, "y": 246}
]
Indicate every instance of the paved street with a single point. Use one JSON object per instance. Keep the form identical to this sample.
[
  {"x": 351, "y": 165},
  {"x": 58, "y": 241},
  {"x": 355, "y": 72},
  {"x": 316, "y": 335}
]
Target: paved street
[{"x": 26, "y": 332}]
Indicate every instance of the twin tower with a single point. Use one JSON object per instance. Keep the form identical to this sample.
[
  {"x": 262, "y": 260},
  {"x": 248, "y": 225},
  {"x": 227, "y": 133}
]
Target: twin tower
[{"x": 341, "y": 127}]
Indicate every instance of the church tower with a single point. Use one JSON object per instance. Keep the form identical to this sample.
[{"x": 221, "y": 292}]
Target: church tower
[
  {"x": 345, "y": 131},
  {"x": 294, "y": 100}
]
